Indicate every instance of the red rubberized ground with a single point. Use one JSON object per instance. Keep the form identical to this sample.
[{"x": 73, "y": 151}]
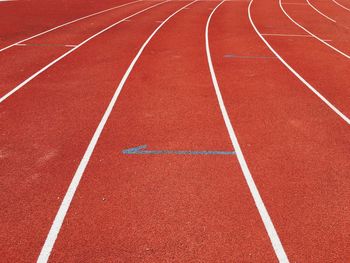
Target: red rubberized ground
[
  {"x": 174, "y": 207},
  {"x": 22, "y": 18},
  {"x": 333, "y": 11}
]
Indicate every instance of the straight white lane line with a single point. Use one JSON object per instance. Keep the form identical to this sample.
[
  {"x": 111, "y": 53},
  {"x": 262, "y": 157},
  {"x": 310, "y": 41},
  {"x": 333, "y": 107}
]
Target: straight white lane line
[
  {"x": 307, "y": 84},
  {"x": 344, "y": 7},
  {"x": 72, "y": 50},
  {"x": 61, "y": 214},
  {"x": 271, "y": 231},
  {"x": 286, "y": 35},
  {"x": 45, "y": 45},
  {"x": 292, "y": 35},
  {"x": 307, "y": 31},
  {"x": 68, "y": 23},
  {"x": 318, "y": 11},
  {"x": 295, "y": 3}
]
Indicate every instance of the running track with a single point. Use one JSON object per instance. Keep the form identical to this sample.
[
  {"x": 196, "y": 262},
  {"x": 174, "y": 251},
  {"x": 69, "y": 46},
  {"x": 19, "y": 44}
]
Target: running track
[{"x": 266, "y": 79}]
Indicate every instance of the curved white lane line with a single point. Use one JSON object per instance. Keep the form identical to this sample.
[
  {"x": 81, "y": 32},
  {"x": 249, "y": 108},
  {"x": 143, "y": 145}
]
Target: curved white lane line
[
  {"x": 68, "y": 23},
  {"x": 19, "y": 86},
  {"x": 271, "y": 231},
  {"x": 61, "y": 214},
  {"x": 318, "y": 11},
  {"x": 307, "y": 31},
  {"x": 341, "y": 5},
  {"x": 307, "y": 84}
]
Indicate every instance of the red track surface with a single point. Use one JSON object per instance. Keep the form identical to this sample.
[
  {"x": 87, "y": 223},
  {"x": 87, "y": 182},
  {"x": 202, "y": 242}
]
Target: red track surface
[
  {"x": 318, "y": 25},
  {"x": 329, "y": 8},
  {"x": 174, "y": 208},
  {"x": 282, "y": 127},
  {"x": 21, "y": 19},
  {"x": 331, "y": 81}
]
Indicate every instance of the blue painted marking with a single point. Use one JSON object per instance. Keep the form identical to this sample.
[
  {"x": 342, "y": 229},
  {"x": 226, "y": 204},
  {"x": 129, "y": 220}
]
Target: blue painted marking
[
  {"x": 237, "y": 56},
  {"x": 141, "y": 150}
]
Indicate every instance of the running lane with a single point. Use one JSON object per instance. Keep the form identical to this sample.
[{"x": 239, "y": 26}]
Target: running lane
[
  {"x": 343, "y": 4},
  {"x": 165, "y": 208},
  {"x": 318, "y": 25},
  {"x": 322, "y": 67},
  {"x": 296, "y": 147},
  {"x": 330, "y": 9},
  {"x": 22, "y": 19},
  {"x": 20, "y": 62},
  {"x": 46, "y": 127}
]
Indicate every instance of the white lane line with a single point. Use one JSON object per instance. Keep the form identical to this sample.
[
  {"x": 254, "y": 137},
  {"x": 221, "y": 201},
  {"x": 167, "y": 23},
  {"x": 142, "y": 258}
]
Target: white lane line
[
  {"x": 271, "y": 231},
  {"x": 307, "y": 31},
  {"x": 72, "y": 50},
  {"x": 294, "y": 3},
  {"x": 43, "y": 45},
  {"x": 341, "y": 5},
  {"x": 318, "y": 11},
  {"x": 307, "y": 84},
  {"x": 68, "y": 23},
  {"x": 62, "y": 211},
  {"x": 291, "y": 35}
]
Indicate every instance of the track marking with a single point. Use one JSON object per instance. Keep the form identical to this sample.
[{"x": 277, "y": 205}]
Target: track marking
[
  {"x": 72, "y": 50},
  {"x": 271, "y": 231},
  {"x": 142, "y": 150},
  {"x": 44, "y": 45},
  {"x": 21, "y": 45},
  {"x": 68, "y": 23},
  {"x": 294, "y": 3},
  {"x": 238, "y": 56},
  {"x": 307, "y": 84},
  {"x": 286, "y": 35},
  {"x": 292, "y": 35},
  {"x": 318, "y": 11},
  {"x": 62, "y": 211},
  {"x": 341, "y": 5},
  {"x": 307, "y": 31}
]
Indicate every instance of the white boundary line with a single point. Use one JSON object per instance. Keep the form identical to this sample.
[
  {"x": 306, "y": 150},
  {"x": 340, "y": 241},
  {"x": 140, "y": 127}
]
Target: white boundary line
[
  {"x": 26, "y": 45},
  {"x": 318, "y": 11},
  {"x": 72, "y": 50},
  {"x": 307, "y": 84},
  {"x": 285, "y": 35},
  {"x": 270, "y": 229},
  {"x": 341, "y": 5},
  {"x": 295, "y": 3},
  {"x": 291, "y": 35},
  {"x": 62, "y": 211},
  {"x": 307, "y": 31},
  {"x": 68, "y": 23}
]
